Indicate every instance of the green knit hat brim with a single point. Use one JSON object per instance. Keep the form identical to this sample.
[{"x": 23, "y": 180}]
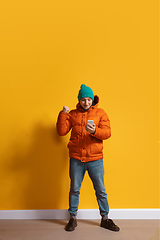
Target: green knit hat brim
[{"x": 85, "y": 92}]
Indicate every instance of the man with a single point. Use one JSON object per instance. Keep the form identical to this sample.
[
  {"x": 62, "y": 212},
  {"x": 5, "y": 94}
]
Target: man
[{"x": 89, "y": 126}]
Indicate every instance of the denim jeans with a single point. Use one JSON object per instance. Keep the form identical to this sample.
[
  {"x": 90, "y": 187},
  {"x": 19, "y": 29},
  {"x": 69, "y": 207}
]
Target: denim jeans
[{"x": 96, "y": 173}]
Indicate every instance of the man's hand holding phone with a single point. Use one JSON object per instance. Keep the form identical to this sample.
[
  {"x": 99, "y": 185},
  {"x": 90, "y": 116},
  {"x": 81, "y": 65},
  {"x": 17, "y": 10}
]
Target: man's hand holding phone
[{"x": 90, "y": 127}]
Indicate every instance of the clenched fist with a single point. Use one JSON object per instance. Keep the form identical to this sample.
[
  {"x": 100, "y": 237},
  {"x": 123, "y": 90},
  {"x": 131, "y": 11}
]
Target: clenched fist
[{"x": 65, "y": 109}]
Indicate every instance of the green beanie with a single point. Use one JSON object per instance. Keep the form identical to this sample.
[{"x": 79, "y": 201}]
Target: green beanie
[{"x": 85, "y": 92}]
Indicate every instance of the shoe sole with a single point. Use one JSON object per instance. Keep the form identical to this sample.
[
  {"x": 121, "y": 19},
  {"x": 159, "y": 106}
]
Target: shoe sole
[{"x": 114, "y": 230}]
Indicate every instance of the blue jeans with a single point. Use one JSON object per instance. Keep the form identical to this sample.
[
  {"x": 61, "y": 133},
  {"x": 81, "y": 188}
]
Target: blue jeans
[{"x": 96, "y": 173}]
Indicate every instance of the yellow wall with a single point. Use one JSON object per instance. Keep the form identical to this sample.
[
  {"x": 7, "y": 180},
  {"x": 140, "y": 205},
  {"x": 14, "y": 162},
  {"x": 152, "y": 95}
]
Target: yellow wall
[{"x": 47, "y": 50}]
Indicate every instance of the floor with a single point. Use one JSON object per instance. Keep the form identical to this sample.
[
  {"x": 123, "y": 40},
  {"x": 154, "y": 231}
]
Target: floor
[{"x": 86, "y": 229}]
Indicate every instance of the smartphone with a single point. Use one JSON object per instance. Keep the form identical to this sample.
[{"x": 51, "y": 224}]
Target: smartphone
[{"x": 90, "y": 122}]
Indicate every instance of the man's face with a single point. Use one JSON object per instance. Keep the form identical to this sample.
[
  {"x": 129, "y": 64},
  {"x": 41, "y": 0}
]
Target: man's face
[{"x": 86, "y": 103}]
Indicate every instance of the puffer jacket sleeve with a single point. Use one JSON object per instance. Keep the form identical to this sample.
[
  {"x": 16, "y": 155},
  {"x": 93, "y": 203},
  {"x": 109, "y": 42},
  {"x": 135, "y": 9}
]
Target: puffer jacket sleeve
[
  {"x": 63, "y": 124},
  {"x": 103, "y": 130}
]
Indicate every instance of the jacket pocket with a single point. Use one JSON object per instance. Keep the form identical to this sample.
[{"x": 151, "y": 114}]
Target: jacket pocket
[
  {"x": 73, "y": 145},
  {"x": 96, "y": 147}
]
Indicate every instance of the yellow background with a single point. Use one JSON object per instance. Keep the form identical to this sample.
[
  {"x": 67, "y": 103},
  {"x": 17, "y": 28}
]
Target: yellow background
[{"x": 47, "y": 50}]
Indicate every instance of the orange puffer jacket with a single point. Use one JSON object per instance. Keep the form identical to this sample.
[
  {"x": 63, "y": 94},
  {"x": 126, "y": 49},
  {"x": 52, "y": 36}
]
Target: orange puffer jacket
[{"x": 83, "y": 145}]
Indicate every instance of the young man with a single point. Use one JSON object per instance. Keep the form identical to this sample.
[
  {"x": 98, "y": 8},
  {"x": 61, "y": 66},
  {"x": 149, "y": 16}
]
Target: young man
[{"x": 89, "y": 126}]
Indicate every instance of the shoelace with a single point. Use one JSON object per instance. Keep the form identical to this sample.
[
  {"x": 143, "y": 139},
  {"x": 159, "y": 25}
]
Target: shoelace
[{"x": 111, "y": 222}]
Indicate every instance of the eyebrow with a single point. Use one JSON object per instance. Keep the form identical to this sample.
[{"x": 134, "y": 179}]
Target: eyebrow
[{"x": 87, "y": 99}]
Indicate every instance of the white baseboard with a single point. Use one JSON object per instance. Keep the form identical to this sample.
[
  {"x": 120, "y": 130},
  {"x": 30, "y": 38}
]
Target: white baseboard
[{"x": 82, "y": 214}]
